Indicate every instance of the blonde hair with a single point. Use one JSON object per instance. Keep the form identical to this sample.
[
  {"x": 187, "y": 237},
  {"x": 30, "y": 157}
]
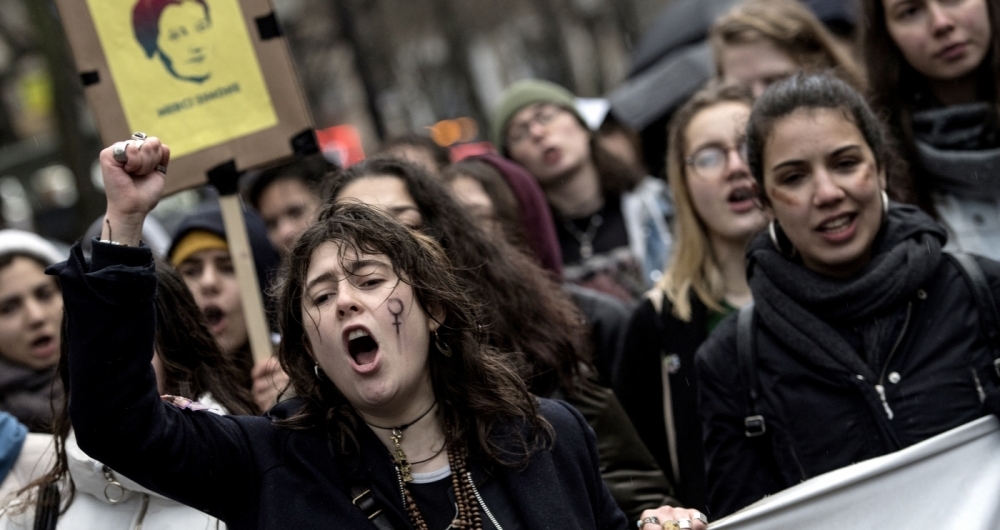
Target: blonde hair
[
  {"x": 692, "y": 265},
  {"x": 793, "y": 29}
]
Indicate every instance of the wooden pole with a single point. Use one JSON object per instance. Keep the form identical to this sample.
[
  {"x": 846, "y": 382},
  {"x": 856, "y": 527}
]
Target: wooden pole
[{"x": 246, "y": 275}]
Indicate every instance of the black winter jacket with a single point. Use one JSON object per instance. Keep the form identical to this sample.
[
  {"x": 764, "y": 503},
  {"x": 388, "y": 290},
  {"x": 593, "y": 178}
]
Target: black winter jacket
[
  {"x": 821, "y": 416},
  {"x": 639, "y": 386},
  {"x": 246, "y": 470}
]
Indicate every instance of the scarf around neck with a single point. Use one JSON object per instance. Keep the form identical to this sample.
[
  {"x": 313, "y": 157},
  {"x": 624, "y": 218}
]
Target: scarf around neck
[
  {"x": 802, "y": 306},
  {"x": 959, "y": 146}
]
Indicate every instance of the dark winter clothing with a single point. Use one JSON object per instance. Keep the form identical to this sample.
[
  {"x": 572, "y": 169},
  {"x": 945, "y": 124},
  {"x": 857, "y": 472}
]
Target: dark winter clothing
[
  {"x": 209, "y": 218},
  {"x": 655, "y": 342},
  {"x": 27, "y": 394},
  {"x": 959, "y": 154},
  {"x": 847, "y": 369},
  {"x": 246, "y": 470},
  {"x": 959, "y": 146},
  {"x": 606, "y": 318},
  {"x": 536, "y": 219}
]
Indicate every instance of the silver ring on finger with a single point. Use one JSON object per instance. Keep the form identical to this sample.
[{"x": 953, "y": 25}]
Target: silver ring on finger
[
  {"x": 684, "y": 524},
  {"x": 701, "y": 517},
  {"x": 118, "y": 152},
  {"x": 647, "y": 520},
  {"x": 161, "y": 168},
  {"x": 140, "y": 138}
]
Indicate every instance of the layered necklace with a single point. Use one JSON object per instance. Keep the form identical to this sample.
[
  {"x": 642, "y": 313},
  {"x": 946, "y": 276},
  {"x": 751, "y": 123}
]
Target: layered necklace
[
  {"x": 584, "y": 237},
  {"x": 465, "y": 496}
]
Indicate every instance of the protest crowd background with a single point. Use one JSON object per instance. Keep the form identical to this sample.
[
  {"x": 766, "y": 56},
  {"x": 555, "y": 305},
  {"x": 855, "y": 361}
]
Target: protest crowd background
[{"x": 576, "y": 264}]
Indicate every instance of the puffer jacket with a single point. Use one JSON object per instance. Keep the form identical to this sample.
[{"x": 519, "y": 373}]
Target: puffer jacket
[
  {"x": 103, "y": 498},
  {"x": 821, "y": 416}
]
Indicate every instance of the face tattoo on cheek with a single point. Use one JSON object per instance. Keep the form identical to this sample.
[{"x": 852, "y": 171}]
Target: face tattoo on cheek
[{"x": 396, "y": 309}]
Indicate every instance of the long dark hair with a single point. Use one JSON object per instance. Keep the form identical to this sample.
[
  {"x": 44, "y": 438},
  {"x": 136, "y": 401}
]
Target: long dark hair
[
  {"x": 529, "y": 315},
  {"x": 505, "y": 206},
  {"x": 895, "y": 86},
  {"x": 192, "y": 361},
  {"x": 480, "y": 394}
]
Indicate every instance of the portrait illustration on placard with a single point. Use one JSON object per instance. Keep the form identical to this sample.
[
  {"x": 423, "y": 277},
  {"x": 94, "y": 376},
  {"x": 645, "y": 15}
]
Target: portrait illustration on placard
[{"x": 178, "y": 33}]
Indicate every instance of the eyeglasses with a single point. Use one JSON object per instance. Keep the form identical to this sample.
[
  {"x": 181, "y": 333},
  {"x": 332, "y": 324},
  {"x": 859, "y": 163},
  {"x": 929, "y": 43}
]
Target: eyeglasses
[
  {"x": 543, "y": 115},
  {"x": 710, "y": 162}
]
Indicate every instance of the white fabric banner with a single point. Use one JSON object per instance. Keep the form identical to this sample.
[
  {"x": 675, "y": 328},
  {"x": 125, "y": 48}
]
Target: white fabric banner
[{"x": 949, "y": 481}]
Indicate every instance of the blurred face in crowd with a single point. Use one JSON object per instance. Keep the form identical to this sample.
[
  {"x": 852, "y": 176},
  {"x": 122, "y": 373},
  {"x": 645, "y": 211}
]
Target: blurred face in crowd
[
  {"x": 717, "y": 175},
  {"x": 184, "y": 39},
  {"x": 288, "y": 208},
  {"x": 940, "y": 39},
  {"x": 31, "y": 310},
  {"x": 415, "y": 155},
  {"x": 387, "y": 192},
  {"x": 210, "y": 276},
  {"x": 366, "y": 330},
  {"x": 473, "y": 197},
  {"x": 756, "y": 64},
  {"x": 824, "y": 188},
  {"x": 548, "y": 141}
]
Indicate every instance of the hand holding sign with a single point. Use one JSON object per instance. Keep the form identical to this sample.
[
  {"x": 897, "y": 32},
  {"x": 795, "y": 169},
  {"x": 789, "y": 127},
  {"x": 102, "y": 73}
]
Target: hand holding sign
[{"x": 133, "y": 187}]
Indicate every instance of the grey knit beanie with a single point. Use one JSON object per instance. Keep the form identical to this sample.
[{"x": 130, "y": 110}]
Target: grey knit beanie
[
  {"x": 524, "y": 93},
  {"x": 21, "y": 242}
]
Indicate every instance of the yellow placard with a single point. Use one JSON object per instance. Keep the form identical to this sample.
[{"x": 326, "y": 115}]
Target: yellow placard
[{"x": 185, "y": 70}]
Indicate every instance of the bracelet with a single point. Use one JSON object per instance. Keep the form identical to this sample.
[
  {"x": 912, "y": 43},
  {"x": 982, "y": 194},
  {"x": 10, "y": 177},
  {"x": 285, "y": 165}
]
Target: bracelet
[{"x": 110, "y": 242}]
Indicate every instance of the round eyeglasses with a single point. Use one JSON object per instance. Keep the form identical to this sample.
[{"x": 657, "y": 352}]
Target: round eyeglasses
[{"x": 710, "y": 162}]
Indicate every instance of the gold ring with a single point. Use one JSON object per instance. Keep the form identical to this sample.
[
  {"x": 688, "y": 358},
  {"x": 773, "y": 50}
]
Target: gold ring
[{"x": 671, "y": 525}]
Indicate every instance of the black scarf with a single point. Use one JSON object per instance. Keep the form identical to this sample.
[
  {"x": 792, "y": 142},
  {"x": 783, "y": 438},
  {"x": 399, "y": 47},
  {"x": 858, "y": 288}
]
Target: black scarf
[
  {"x": 959, "y": 146},
  {"x": 802, "y": 307},
  {"x": 27, "y": 394}
]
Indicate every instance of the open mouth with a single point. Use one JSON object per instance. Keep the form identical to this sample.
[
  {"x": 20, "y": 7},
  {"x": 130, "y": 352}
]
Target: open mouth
[
  {"x": 361, "y": 347},
  {"x": 551, "y": 155},
  {"x": 740, "y": 194},
  {"x": 213, "y": 315},
  {"x": 837, "y": 224},
  {"x": 43, "y": 343}
]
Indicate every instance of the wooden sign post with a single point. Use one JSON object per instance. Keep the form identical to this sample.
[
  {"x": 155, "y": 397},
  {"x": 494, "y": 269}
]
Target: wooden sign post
[{"x": 214, "y": 80}]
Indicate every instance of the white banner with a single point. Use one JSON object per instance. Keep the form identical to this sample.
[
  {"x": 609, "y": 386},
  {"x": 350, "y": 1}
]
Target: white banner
[{"x": 949, "y": 481}]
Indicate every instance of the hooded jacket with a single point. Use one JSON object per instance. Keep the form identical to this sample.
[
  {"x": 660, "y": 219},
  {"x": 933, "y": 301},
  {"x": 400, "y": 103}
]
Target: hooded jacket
[
  {"x": 841, "y": 381},
  {"x": 102, "y": 499},
  {"x": 209, "y": 218}
]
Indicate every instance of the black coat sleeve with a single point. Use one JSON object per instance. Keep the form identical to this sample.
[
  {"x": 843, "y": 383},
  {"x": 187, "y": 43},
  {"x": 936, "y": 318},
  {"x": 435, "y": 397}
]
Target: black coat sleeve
[
  {"x": 739, "y": 470},
  {"x": 638, "y": 381},
  {"x": 196, "y": 457},
  {"x": 991, "y": 269}
]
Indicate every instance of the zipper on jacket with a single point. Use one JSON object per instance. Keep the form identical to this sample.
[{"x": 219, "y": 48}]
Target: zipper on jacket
[
  {"x": 142, "y": 511},
  {"x": 899, "y": 340},
  {"x": 979, "y": 386},
  {"x": 482, "y": 503},
  {"x": 885, "y": 404},
  {"x": 879, "y": 386}
]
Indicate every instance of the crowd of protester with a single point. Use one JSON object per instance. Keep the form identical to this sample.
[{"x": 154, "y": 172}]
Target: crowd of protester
[{"x": 545, "y": 335}]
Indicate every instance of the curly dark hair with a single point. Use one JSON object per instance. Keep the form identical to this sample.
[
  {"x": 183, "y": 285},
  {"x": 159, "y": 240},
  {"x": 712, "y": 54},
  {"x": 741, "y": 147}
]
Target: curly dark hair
[
  {"x": 192, "y": 362},
  {"x": 310, "y": 171},
  {"x": 480, "y": 394},
  {"x": 530, "y": 317}
]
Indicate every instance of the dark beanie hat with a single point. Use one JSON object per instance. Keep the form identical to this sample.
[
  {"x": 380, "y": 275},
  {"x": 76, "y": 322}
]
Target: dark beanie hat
[{"x": 524, "y": 93}]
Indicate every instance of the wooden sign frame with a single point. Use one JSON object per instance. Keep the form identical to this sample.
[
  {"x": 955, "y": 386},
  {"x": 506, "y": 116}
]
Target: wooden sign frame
[{"x": 291, "y": 136}]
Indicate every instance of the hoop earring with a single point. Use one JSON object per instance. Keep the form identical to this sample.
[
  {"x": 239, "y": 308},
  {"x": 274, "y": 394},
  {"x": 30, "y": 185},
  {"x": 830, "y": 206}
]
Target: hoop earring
[
  {"x": 772, "y": 230},
  {"x": 885, "y": 205},
  {"x": 319, "y": 375},
  {"x": 441, "y": 346}
]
